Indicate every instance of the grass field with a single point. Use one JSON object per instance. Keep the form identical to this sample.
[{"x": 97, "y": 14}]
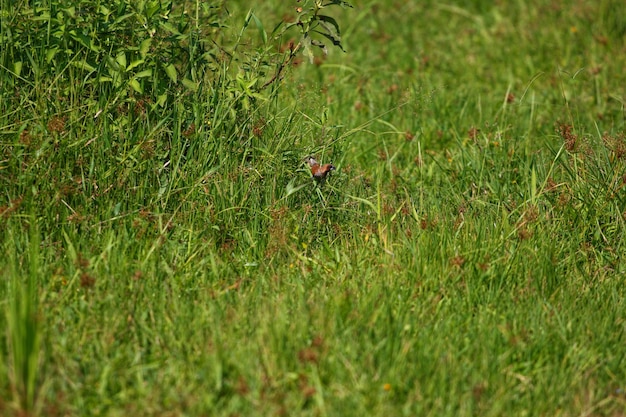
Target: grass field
[{"x": 166, "y": 252}]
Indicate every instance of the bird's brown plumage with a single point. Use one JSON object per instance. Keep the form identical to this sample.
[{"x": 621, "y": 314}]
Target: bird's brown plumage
[{"x": 318, "y": 171}]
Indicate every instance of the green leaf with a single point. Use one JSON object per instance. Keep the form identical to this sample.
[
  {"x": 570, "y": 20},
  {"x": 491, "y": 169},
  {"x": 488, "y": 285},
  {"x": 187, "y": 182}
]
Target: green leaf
[
  {"x": 50, "y": 53},
  {"x": 258, "y": 96},
  {"x": 17, "y": 68},
  {"x": 104, "y": 11},
  {"x": 144, "y": 73},
  {"x": 170, "y": 28},
  {"x": 121, "y": 60},
  {"x": 93, "y": 46},
  {"x": 161, "y": 100},
  {"x": 246, "y": 21},
  {"x": 135, "y": 85},
  {"x": 119, "y": 20},
  {"x": 333, "y": 40},
  {"x": 144, "y": 47},
  {"x": 135, "y": 64},
  {"x": 111, "y": 63},
  {"x": 332, "y": 30},
  {"x": 71, "y": 11},
  {"x": 170, "y": 70},
  {"x": 83, "y": 65},
  {"x": 259, "y": 26},
  {"x": 152, "y": 8},
  {"x": 193, "y": 86},
  {"x": 329, "y": 21}
]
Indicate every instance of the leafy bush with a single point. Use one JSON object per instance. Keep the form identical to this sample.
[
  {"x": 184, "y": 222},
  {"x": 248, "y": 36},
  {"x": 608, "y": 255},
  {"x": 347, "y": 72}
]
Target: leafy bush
[{"x": 150, "y": 48}]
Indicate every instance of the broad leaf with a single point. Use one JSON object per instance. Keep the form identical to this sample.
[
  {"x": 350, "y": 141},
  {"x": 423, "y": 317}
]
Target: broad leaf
[
  {"x": 144, "y": 48},
  {"x": 170, "y": 70},
  {"x": 136, "y": 85},
  {"x": 193, "y": 86},
  {"x": 135, "y": 64},
  {"x": 121, "y": 60},
  {"x": 144, "y": 73}
]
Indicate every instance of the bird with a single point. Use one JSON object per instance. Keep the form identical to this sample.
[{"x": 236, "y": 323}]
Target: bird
[{"x": 319, "y": 172}]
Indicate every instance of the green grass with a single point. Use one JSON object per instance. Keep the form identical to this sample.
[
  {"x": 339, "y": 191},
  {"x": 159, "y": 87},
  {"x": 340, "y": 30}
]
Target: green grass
[{"x": 465, "y": 259}]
